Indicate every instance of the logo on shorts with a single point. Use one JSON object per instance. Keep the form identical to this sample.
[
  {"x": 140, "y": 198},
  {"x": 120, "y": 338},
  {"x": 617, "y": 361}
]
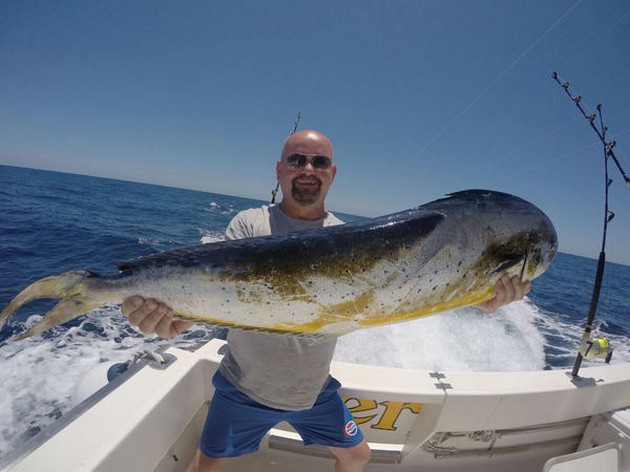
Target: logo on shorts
[{"x": 350, "y": 429}]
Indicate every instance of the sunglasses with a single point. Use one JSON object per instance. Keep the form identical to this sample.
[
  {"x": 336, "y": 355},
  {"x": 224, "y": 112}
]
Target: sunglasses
[{"x": 297, "y": 161}]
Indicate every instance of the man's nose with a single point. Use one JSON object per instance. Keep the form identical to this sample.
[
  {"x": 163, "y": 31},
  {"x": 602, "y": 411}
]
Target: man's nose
[{"x": 308, "y": 168}]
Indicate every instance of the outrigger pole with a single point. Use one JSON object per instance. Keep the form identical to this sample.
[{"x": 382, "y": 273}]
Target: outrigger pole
[
  {"x": 597, "y": 347},
  {"x": 608, "y": 146},
  {"x": 274, "y": 192}
]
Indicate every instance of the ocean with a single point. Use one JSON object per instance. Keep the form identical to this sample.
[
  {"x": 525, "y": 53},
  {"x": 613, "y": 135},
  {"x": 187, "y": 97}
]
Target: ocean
[{"x": 51, "y": 222}]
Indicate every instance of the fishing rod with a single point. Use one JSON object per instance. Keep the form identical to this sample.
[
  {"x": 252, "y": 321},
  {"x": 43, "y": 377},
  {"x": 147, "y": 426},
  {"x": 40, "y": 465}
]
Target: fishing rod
[
  {"x": 274, "y": 192},
  {"x": 597, "y": 347}
]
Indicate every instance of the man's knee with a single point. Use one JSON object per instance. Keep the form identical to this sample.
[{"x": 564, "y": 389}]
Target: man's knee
[
  {"x": 361, "y": 453},
  {"x": 356, "y": 455},
  {"x": 203, "y": 463}
]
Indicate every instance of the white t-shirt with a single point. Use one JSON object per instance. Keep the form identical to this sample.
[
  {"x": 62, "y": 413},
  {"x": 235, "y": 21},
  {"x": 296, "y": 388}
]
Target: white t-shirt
[{"x": 285, "y": 372}]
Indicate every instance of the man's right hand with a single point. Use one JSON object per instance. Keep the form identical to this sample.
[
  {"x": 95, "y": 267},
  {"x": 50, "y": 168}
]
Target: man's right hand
[{"x": 153, "y": 317}]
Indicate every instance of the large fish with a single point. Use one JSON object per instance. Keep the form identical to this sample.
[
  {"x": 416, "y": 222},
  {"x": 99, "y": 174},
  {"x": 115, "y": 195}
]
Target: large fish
[{"x": 446, "y": 254}]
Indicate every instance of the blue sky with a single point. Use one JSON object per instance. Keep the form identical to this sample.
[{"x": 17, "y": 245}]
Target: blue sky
[{"x": 420, "y": 98}]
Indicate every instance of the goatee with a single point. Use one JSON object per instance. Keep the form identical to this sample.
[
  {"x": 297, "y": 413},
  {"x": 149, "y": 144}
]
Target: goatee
[{"x": 306, "y": 194}]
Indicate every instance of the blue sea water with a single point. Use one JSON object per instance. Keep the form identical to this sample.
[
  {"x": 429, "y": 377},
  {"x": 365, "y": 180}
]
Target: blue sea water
[{"x": 51, "y": 222}]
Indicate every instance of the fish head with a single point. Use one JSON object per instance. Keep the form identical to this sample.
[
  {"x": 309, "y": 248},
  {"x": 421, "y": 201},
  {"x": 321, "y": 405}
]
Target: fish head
[{"x": 527, "y": 253}]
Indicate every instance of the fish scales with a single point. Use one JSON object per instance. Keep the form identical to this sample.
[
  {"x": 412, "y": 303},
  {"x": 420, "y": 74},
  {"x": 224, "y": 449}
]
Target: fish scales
[{"x": 445, "y": 254}]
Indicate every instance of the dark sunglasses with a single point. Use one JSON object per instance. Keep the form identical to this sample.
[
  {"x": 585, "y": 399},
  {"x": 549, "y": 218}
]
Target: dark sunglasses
[{"x": 297, "y": 161}]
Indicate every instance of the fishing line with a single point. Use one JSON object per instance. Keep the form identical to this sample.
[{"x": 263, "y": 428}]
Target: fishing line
[
  {"x": 391, "y": 175},
  {"x": 545, "y": 163},
  {"x": 597, "y": 347},
  {"x": 498, "y": 79},
  {"x": 557, "y": 158},
  {"x": 602, "y": 36}
]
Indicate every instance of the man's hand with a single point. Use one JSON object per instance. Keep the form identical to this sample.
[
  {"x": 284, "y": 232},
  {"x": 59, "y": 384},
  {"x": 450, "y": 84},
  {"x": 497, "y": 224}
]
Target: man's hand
[
  {"x": 153, "y": 317},
  {"x": 506, "y": 290}
]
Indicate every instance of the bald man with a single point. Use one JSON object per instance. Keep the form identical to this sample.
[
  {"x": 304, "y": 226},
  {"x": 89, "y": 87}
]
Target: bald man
[{"x": 267, "y": 378}]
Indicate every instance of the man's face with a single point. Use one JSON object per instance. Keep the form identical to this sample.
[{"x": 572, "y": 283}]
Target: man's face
[{"x": 306, "y": 170}]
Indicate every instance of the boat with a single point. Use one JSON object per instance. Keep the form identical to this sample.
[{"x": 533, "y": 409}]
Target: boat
[{"x": 149, "y": 418}]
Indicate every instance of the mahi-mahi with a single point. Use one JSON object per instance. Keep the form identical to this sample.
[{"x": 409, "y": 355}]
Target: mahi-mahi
[{"x": 439, "y": 256}]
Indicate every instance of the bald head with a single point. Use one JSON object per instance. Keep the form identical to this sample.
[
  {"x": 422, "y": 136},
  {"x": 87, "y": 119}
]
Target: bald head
[
  {"x": 307, "y": 142},
  {"x": 307, "y": 176}
]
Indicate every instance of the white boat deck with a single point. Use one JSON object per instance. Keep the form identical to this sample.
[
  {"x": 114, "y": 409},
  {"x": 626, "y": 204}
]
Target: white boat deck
[{"x": 413, "y": 420}]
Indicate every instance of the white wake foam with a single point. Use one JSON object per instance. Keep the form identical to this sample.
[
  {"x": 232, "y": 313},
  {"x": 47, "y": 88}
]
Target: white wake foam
[{"x": 462, "y": 340}]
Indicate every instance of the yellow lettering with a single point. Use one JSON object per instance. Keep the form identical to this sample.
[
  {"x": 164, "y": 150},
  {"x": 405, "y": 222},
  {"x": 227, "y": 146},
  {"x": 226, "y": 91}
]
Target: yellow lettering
[
  {"x": 360, "y": 405},
  {"x": 392, "y": 412},
  {"x": 387, "y": 420}
]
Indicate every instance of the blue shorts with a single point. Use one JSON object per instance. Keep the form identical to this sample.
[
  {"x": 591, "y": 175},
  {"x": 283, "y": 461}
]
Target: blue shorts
[{"x": 236, "y": 424}]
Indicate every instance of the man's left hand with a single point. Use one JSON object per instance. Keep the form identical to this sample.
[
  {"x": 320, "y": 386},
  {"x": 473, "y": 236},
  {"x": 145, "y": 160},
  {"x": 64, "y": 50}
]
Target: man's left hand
[{"x": 507, "y": 290}]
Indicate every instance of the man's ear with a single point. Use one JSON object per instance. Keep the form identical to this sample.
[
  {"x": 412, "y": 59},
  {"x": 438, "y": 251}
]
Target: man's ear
[{"x": 278, "y": 169}]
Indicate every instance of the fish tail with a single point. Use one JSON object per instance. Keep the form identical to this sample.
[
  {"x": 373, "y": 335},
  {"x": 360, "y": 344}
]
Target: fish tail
[{"x": 68, "y": 286}]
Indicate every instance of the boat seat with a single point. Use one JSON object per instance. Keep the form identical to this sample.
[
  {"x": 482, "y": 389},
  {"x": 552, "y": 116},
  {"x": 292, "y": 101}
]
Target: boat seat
[{"x": 604, "y": 458}]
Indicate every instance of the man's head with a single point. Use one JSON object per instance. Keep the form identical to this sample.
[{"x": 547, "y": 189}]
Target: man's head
[{"x": 305, "y": 171}]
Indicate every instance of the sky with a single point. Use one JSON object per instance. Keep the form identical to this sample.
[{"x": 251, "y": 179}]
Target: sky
[{"x": 420, "y": 98}]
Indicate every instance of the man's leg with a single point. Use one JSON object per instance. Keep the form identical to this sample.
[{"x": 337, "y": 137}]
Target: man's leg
[
  {"x": 351, "y": 459},
  {"x": 330, "y": 423},
  {"x": 203, "y": 463},
  {"x": 234, "y": 426}
]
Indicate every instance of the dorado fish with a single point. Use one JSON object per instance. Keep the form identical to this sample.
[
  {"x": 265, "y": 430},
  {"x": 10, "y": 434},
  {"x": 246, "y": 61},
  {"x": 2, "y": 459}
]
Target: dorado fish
[{"x": 439, "y": 256}]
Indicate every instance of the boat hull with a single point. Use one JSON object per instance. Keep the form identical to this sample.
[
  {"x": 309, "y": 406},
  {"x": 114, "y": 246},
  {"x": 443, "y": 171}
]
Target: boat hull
[{"x": 412, "y": 419}]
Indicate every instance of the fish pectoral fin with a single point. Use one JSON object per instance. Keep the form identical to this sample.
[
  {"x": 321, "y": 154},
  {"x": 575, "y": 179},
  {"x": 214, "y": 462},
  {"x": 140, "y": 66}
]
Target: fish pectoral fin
[
  {"x": 66, "y": 310},
  {"x": 509, "y": 261}
]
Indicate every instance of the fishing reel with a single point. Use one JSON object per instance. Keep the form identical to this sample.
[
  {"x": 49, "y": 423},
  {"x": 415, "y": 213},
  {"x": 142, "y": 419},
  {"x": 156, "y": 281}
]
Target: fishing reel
[{"x": 596, "y": 348}]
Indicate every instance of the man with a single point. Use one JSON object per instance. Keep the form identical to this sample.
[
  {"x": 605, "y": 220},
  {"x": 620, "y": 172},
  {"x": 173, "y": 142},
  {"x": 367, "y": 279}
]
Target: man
[{"x": 265, "y": 378}]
